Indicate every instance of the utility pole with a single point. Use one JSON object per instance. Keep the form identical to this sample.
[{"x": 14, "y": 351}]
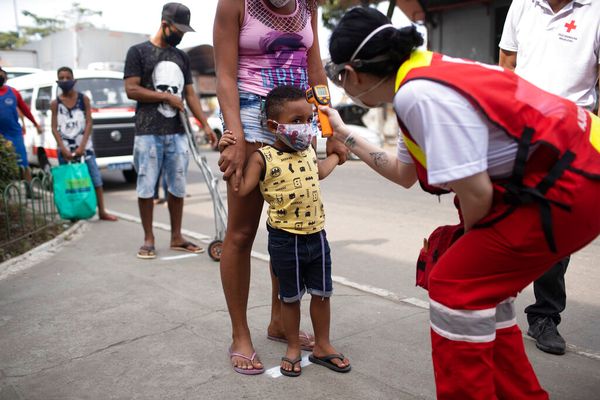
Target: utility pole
[{"x": 16, "y": 17}]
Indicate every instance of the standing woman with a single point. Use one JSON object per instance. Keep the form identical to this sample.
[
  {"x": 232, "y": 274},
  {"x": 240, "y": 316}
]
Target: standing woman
[
  {"x": 524, "y": 165},
  {"x": 259, "y": 44}
]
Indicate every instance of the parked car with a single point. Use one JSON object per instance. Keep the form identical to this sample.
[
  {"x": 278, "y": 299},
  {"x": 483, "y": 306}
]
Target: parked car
[
  {"x": 15, "y": 72},
  {"x": 112, "y": 114},
  {"x": 352, "y": 115}
]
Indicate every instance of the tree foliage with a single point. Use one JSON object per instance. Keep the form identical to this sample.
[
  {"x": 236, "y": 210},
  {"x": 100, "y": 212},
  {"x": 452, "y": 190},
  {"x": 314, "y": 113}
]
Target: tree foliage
[
  {"x": 77, "y": 16},
  {"x": 334, "y": 9}
]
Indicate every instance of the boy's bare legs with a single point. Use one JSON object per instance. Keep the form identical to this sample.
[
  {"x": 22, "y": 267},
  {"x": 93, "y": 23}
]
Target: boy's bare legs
[
  {"x": 102, "y": 214},
  {"x": 276, "y": 328},
  {"x": 290, "y": 315},
  {"x": 146, "y": 207},
  {"x": 320, "y": 316}
]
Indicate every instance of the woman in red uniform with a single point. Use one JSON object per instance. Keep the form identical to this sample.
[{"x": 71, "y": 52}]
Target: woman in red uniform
[{"x": 513, "y": 155}]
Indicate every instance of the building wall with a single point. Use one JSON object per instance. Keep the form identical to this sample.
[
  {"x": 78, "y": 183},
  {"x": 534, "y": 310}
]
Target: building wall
[
  {"x": 80, "y": 48},
  {"x": 18, "y": 58},
  {"x": 468, "y": 32}
]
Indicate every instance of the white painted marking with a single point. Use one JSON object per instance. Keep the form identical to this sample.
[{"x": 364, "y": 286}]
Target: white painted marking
[
  {"x": 178, "y": 257},
  {"x": 276, "y": 373},
  {"x": 383, "y": 293}
]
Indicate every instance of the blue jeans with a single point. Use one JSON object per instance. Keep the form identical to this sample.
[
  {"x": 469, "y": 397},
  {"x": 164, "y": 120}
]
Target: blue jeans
[{"x": 153, "y": 153}]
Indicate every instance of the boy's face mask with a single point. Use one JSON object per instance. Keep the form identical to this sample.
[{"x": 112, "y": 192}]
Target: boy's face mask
[
  {"x": 66, "y": 86},
  {"x": 295, "y": 136}
]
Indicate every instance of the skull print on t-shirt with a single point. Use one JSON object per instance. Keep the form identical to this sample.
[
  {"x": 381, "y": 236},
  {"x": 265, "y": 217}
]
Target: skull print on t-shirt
[
  {"x": 167, "y": 77},
  {"x": 162, "y": 70}
]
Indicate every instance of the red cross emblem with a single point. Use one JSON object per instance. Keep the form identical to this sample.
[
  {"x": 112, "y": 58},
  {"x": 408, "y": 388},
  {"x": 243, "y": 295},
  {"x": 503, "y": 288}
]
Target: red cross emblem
[{"x": 570, "y": 26}]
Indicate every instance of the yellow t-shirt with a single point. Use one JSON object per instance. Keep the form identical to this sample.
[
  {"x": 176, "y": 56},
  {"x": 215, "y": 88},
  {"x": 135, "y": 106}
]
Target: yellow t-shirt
[{"x": 291, "y": 187}]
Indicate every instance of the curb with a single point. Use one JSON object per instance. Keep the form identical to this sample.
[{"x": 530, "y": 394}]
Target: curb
[{"x": 37, "y": 254}]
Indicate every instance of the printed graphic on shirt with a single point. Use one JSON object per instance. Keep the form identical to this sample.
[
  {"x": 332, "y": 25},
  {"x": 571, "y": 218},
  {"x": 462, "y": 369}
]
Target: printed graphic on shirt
[
  {"x": 9, "y": 101},
  {"x": 167, "y": 77},
  {"x": 159, "y": 69},
  {"x": 70, "y": 123},
  {"x": 291, "y": 187},
  {"x": 286, "y": 58}
]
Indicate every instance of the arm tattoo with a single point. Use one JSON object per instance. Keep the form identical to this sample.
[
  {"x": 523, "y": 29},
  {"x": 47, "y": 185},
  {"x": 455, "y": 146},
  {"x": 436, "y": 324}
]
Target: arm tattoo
[
  {"x": 350, "y": 142},
  {"x": 380, "y": 158}
]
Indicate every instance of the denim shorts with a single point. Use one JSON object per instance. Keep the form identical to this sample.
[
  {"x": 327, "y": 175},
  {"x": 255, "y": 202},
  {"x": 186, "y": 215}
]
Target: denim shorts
[
  {"x": 301, "y": 263},
  {"x": 90, "y": 160},
  {"x": 155, "y": 153},
  {"x": 253, "y": 119}
]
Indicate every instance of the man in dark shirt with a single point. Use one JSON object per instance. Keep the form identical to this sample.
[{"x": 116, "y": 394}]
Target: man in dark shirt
[{"x": 158, "y": 77}]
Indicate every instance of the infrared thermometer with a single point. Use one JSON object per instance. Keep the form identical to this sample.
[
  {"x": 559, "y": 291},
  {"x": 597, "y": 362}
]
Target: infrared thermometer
[{"x": 319, "y": 96}]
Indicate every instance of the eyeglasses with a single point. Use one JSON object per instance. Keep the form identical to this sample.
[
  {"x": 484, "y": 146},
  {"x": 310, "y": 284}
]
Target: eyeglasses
[{"x": 335, "y": 71}]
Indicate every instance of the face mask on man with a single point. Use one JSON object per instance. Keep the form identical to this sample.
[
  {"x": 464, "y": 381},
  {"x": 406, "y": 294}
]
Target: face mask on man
[
  {"x": 2, "y": 80},
  {"x": 279, "y": 3},
  {"x": 296, "y": 136},
  {"x": 173, "y": 38},
  {"x": 67, "y": 85}
]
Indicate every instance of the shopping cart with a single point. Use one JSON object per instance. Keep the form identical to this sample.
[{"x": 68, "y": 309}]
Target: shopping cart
[{"x": 220, "y": 211}]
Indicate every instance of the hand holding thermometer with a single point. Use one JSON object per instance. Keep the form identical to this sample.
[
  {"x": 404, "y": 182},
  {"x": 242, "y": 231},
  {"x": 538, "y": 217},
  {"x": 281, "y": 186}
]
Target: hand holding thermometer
[{"x": 319, "y": 96}]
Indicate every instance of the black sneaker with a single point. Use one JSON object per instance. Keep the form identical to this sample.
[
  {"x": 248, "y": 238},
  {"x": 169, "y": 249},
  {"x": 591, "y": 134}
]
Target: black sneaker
[{"x": 546, "y": 336}]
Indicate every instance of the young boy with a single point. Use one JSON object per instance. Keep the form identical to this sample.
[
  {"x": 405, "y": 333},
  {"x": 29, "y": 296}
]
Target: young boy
[
  {"x": 288, "y": 175},
  {"x": 72, "y": 127}
]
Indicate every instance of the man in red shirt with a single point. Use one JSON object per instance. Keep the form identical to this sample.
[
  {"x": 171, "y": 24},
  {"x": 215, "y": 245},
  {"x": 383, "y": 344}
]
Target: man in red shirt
[{"x": 11, "y": 103}]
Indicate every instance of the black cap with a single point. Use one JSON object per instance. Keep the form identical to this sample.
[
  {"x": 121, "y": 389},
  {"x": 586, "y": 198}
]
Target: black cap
[{"x": 178, "y": 15}]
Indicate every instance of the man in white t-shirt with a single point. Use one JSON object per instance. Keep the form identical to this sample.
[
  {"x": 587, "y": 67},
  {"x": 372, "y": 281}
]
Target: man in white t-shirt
[{"x": 555, "y": 44}]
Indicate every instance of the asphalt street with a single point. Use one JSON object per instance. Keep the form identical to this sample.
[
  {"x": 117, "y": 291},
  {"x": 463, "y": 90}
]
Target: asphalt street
[{"x": 91, "y": 321}]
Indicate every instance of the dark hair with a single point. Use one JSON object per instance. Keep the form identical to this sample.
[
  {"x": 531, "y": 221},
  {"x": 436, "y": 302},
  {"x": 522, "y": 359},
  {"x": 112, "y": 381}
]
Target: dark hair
[
  {"x": 277, "y": 98},
  {"x": 2, "y": 71},
  {"x": 356, "y": 25},
  {"x": 67, "y": 69}
]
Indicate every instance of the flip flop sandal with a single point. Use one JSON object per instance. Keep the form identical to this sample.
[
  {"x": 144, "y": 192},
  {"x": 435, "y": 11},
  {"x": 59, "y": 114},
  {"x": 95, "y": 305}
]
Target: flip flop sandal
[
  {"x": 291, "y": 373},
  {"x": 146, "y": 252},
  {"x": 303, "y": 335},
  {"x": 326, "y": 362},
  {"x": 188, "y": 247},
  {"x": 253, "y": 371}
]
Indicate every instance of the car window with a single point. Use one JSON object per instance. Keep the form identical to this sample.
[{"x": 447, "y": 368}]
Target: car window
[
  {"x": 27, "y": 94},
  {"x": 45, "y": 92},
  {"x": 105, "y": 92}
]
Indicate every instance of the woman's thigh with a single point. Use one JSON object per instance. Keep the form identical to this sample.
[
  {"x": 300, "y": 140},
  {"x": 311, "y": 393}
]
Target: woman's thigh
[{"x": 244, "y": 212}]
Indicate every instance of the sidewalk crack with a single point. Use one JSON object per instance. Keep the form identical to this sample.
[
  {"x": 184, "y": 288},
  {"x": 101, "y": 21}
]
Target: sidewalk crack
[{"x": 103, "y": 349}]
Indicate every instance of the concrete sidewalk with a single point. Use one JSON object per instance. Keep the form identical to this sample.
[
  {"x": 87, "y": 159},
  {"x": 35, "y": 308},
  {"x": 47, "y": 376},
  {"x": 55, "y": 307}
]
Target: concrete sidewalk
[{"x": 94, "y": 322}]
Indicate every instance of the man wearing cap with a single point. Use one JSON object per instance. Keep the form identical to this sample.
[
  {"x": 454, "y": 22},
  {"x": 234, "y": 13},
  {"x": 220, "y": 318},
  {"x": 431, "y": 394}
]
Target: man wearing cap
[
  {"x": 158, "y": 76},
  {"x": 554, "y": 44}
]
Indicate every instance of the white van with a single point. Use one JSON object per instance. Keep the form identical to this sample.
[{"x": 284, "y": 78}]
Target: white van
[{"x": 112, "y": 114}]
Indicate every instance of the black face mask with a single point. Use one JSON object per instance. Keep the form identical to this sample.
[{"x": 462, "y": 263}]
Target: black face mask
[
  {"x": 2, "y": 81},
  {"x": 66, "y": 86},
  {"x": 173, "y": 38}
]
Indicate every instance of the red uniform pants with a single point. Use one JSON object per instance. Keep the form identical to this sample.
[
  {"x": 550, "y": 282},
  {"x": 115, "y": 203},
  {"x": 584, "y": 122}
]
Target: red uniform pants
[{"x": 478, "y": 350}]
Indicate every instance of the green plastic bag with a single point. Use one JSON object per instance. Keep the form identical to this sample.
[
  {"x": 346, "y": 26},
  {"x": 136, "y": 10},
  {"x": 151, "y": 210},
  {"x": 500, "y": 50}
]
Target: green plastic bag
[{"x": 74, "y": 193}]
